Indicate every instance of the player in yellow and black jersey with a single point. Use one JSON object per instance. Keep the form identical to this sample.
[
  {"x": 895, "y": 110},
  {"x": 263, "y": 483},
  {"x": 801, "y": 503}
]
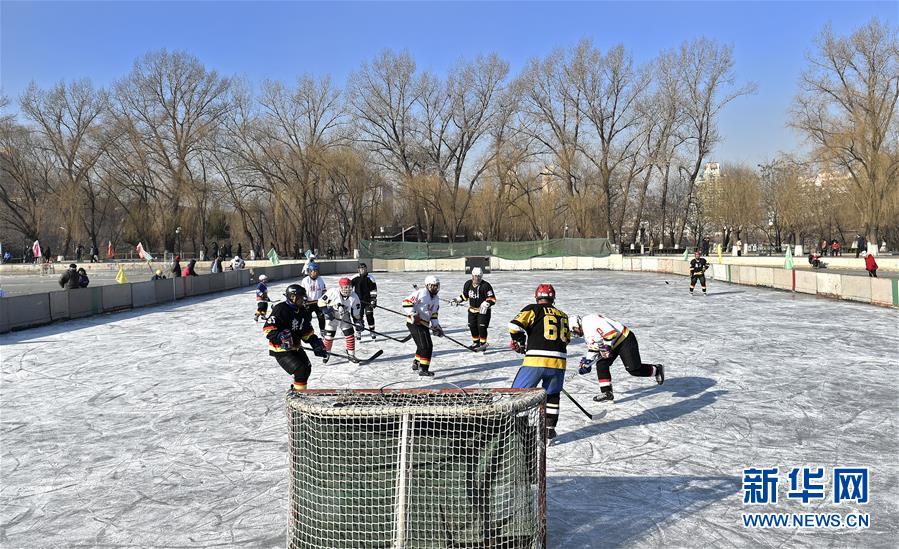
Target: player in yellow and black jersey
[{"x": 540, "y": 331}]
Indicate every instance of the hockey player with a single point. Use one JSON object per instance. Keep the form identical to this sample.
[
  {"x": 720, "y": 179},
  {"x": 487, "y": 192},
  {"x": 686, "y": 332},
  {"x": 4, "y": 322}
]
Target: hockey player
[
  {"x": 540, "y": 332},
  {"x": 365, "y": 287},
  {"x": 480, "y": 297},
  {"x": 343, "y": 310},
  {"x": 606, "y": 340},
  {"x": 310, "y": 262},
  {"x": 315, "y": 289},
  {"x": 261, "y": 297},
  {"x": 289, "y": 324},
  {"x": 698, "y": 267},
  {"x": 422, "y": 307}
]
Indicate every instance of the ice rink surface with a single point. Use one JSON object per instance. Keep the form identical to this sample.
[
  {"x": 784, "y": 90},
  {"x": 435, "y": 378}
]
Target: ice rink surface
[{"x": 165, "y": 426}]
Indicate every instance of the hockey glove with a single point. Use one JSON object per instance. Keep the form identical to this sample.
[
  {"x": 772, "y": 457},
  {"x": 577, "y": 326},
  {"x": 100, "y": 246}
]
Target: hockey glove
[
  {"x": 318, "y": 348},
  {"x": 329, "y": 313},
  {"x": 374, "y": 302},
  {"x": 286, "y": 337},
  {"x": 585, "y": 366},
  {"x": 454, "y": 302},
  {"x": 484, "y": 309},
  {"x": 517, "y": 347},
  {"x": 605, "y": 351},
  {"x": 437, "y": 331}
]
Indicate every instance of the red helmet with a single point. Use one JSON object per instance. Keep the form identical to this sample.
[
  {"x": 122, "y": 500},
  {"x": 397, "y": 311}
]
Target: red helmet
[
  {"x": 346, "y": 287},
  {"x": 545, "y": 292}
]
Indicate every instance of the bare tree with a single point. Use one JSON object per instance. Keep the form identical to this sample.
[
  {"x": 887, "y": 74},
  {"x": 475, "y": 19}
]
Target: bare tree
[
  {"x": 847, "y": 110},
  {"x": 27, "y": 179}
]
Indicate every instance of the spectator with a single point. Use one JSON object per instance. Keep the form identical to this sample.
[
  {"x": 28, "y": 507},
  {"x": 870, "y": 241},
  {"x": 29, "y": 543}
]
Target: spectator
[
  {"x": 836, "y": 248},
  {"x": 226, "y": 250},
  {"x": 189, "y": 270},
  {"x": 861, "y": 245},
  {"x": 739, "y": 246},
  {"x": 94, "y": 256},
  {"x": 237, "y": 263},
  {"x": 824, "y": 247},
  {"x": 69, "y": 279},
  {"x": 345, "y": 251},
  {"x": 706, "y": 245},
  {"x": 7, "y": 256},
  {"x": 216, "y": 266},
  {"x": 83, "y": 279},
  {"x": 215, "y": 249},
  {"x": 158, "y": 275},
  {"x": 176, "y": 266},
  {"x": 815, "y": 261},
  {"x": 330, "y": 252},
  {"x": 870, "y": 264},
  {"x": 48, "y": 255},
  {"x": 79, "y": 251},
  {"x": 252, "y": 254},
  {"x": 240, "y": 249}
]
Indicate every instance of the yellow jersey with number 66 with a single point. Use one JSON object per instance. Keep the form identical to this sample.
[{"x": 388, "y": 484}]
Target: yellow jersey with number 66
[{"x": 546, "y": 328}]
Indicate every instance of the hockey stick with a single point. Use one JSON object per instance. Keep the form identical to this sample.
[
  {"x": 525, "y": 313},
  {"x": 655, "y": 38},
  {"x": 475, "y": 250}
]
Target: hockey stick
[
  {"x": 576, "y": 403},
  {"x": 456, "y": 341},
  {"x": 352, "y": 359},
  {"x": 447, "y": 301}
]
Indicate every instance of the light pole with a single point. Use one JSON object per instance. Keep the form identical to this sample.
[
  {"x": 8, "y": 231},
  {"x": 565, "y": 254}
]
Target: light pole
[{"x": 178, "y": 239}]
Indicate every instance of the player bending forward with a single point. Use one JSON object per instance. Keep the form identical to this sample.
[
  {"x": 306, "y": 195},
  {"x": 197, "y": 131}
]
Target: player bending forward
[
  {"x": 422, "y": 306},
  {"x": 261, "y": 297},
  {"x": 289, "y": 324},
  {"x": 480, "y": 297},
  {"x": 343, "y": 310},
  {"x": 540, "y": 331},
  {"x": 365, "y": 287},
  {"x": 698, "y": 267},
  {"x": 606, "y": 340}
]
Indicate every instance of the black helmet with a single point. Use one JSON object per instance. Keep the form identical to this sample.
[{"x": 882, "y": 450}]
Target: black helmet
[{"x": 295, "y": 290}]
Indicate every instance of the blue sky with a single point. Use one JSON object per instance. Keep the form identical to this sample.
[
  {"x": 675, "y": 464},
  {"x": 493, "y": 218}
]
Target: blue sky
[{"x": 51, "y": 41}]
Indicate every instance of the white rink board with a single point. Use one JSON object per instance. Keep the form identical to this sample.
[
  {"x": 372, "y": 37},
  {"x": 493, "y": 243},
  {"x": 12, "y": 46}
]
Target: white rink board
[{"x": 165, "y": 426}]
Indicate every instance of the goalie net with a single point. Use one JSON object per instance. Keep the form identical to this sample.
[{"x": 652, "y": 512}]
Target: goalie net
[{"x": 417, "y": 469}]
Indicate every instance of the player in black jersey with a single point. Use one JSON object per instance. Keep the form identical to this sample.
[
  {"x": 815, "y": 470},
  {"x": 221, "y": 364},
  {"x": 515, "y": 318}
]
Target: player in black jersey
[
  {"x": 480, "y": 297},
  {"x": 698, "y": 267},
  {"x": 540, "y": 331},
  {"x": 288, "y": 325},
  {"x": 365, "y": 287}
]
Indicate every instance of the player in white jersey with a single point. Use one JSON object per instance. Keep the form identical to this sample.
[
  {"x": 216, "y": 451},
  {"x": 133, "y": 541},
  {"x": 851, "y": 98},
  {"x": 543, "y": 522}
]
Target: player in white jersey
[
  {"x": 342, "y": 308},
  {"x": 315, "y": 289},
  {"x": 422, "y": 306},
  {"x": 606, "y": 340}
]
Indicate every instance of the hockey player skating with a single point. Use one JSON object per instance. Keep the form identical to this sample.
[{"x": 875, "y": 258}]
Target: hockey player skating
[
  {"x": 479, "y": 294},
  {"x": 540, "y": 332},
  {"x": 261, "y": 297},
  {"x": 606, "y": 340},
  {"x": 315, "y": 289},
  {"x": 342, "y": 309},
  {"x": 288, "y": 325},
  {"x": 422, "y": 307},
  {"x": 698, "y": 267},
  {"x": 365, "y": 287}
]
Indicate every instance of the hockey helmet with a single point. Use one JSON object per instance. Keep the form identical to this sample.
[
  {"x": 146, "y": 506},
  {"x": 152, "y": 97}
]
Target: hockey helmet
[
  {"x": 432, "y": 283},
  {"x": 295, "y": 291},
  {"x": 346, "y": 287},
  {"x": 263, "y": 278},
  {"x": 545, "y": 292},
  {"x": 477, "y": 271},
  {"x": 697, "y": 253},
  {"x": 576, "y": 325},
  {"x": 362, "y": 267}
]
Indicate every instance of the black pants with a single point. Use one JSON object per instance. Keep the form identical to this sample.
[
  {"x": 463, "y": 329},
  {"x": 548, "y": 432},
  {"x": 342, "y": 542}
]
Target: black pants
[
  {"x": 369, "y": 314},
  {"x": 295, "y": 363},
  {"x": 872, "y": 273},
  {"x": 477, "y": 325},
  {"x": 694, "y": 278},
  {"x": 314, "y": 308},
  {"x": 629, "y": 351},
  {"x": 262, "y": 307},
  {"x": 424, "y": 347}
]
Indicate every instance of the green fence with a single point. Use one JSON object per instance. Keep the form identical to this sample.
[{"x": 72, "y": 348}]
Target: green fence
[{"x": 560, "y": 247}]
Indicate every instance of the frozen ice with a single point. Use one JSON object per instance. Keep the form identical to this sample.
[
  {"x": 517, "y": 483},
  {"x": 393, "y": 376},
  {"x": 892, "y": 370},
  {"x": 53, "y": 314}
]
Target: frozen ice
[{"x": 165, "y": 426}]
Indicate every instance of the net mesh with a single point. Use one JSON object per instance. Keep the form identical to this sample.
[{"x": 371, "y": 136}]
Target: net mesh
[
  {"x": 560, "y": 247},
  {"x": 417, "y": 469}
]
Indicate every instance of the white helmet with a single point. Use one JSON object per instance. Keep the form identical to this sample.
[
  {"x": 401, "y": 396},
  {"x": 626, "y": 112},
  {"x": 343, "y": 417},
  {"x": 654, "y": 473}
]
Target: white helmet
[
  {"x": 432, "y": 280},
  {"x": 477, "y": 271},
  {"x": 262, "y": 278}
]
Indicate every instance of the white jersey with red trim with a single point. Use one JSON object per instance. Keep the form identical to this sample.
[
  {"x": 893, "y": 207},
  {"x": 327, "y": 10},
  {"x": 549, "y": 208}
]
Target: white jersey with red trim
[
  {"x": 422, "y": 307},
  {"x": 599, "y": 330},
  {"x": 334, "y": 299},
  {"x": 315, "y": 288}
]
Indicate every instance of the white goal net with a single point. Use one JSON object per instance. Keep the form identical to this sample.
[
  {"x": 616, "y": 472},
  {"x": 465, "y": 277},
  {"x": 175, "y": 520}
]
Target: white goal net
[{"x": 417, "y": 469}]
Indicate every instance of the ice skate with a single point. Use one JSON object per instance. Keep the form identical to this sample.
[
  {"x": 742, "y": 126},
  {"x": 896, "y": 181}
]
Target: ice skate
[
  {"x": 425, "y": 373},
  {"x": 604, "y": 397},
  {"x": 660, "y": 374},
  {"x": 415, "y": 365}
]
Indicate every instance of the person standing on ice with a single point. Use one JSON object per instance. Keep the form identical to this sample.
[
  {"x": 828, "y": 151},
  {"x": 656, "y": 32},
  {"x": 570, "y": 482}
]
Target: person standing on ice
[
  {"x": 422, "y": 306},
  {"x": 343, "y": 310},
  {"x": 606, "y": 340},
  {"x": 698, "y": 267},
  {"x": 288, "y": 325},
  {"x": 367, "y": 289},
  {"x": 540, "y": 332},
  {"x": 315, "y": 289},
  {"x": 262, "y": 299},
  {"x": 480, "y": 297}
]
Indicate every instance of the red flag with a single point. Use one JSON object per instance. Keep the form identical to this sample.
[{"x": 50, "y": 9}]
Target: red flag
[
  {"x": 110, "y": 253},
  {"x": 36, "y": 248},
  {"x": 140, "y": 250}
]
